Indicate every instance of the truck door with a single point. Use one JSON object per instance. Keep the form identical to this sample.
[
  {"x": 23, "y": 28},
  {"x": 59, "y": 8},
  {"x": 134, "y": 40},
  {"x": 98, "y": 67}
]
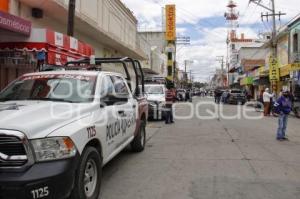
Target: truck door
[
  {"x": 125, "y": 108},
  {"x": 108, "y": 123}
]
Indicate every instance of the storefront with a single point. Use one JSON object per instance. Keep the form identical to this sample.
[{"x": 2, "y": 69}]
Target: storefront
[
  {"x": 18, "y": 28},
  {"x": 295, "y": 79},
  {"x": 260, "y": 81},
  {"x": 43, "y": 47},
  {"x": 247, "y": 84}
]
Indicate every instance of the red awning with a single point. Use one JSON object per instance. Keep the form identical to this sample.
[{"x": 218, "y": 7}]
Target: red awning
[
  {"x": 23, "y": 46},
  {"x": 59, "y": 48}
]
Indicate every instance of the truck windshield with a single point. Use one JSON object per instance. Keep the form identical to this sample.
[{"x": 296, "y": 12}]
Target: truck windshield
[
  {"x": 63, "y": 88},
  {"x": 154, "y": 90}
]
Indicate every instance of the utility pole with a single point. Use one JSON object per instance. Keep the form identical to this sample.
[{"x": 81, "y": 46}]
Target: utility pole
[
  {"x": 221, "y": 60},
  {"x": 71, "y": 17},
  {"x": 273, "y": 14},
  {"x": 181, "y": 41},
  {"x": 185, "y": 75},
  {"x": 274, "y": 29}
]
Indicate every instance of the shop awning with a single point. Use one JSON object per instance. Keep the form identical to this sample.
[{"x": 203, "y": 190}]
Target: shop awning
[
  {"x": 58, "y": 48},
  {"x": 252, "y": 64}
]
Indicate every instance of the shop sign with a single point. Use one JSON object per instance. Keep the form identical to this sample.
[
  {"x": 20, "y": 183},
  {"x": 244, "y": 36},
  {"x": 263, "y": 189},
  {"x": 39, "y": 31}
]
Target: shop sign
[
  {"x": 59, "y": 39},
  {"x": 73, "y": 43},
  {"x": 250, "y": 64},
  {"x": 274, "y": 69},
  {"x": 285, "y": 70},
  {"x": 247, "y": 81},
  {"x": 170, "y": 72},
  {"x": 295, "y": 66},
  {"x": 170, "y": 22},
  {"x": 15, "y": 24}
]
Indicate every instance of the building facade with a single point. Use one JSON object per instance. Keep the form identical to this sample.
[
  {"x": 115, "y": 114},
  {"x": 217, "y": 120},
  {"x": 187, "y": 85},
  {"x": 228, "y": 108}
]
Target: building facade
[
  {"x": 157, "y": 58},
  {"x": 107, "y": 26}
]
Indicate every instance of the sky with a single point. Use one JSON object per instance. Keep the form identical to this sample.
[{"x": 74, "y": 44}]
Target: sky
[{"x": 204, "y": 22}]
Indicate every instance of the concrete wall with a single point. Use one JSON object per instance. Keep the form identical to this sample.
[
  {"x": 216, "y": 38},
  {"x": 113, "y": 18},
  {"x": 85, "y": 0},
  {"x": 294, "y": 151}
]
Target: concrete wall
[
  {"x": 283, "y": 50},
  {"x": 155, "y": 44}
]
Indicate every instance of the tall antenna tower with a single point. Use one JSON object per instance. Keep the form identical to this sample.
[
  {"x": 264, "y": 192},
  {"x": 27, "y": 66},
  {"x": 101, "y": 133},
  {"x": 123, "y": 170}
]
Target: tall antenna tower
[{"x": 232, "y": 17}]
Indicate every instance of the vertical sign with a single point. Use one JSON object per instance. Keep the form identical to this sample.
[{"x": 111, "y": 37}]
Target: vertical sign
[
  {"x": 4, "y": 5},
  {"x": 274, "y": 69},
  {"x": 58, "y": 39},
  {"x": 170, "y": 22}
]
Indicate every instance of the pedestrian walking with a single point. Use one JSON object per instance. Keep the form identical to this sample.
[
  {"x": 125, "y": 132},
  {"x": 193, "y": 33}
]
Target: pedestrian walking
[
  {"x": 283, "y": 107},
  {"x": 170, "y": 99},
  {"x": 218, "y": 95},
  {"x": 267, "y": 98}
]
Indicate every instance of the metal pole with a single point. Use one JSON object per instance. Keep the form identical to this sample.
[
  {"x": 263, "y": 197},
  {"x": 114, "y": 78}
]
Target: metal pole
[
  {"x": 222, "y": 68},
  {"x": 274, "y": 29},
  {"x": 274, "y": 43},
  {"x": 71, "y": 17},
  {"x": 185, "y": 73}
]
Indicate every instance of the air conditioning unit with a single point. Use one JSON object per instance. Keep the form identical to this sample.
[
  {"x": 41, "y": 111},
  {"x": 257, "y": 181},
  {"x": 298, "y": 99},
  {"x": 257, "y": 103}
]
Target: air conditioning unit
[{"x": 37, "y": 13}]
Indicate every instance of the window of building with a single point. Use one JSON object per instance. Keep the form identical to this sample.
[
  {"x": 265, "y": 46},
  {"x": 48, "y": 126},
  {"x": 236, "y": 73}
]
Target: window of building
[
  {"x": 295, "y": 43},
  {"x": 233, "y": 46}
]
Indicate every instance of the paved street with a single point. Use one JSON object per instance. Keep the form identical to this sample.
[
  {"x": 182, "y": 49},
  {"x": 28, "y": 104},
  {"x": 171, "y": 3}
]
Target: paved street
[{"x": 209, "y": 159}]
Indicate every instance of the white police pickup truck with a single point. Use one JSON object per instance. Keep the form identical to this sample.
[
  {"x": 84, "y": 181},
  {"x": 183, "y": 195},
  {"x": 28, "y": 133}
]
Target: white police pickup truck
[{"x": 58, "y": 129}]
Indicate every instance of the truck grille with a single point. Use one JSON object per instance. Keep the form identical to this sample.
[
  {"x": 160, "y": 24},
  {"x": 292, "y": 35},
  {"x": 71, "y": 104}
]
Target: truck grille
[{"x": 12, "y": 151}]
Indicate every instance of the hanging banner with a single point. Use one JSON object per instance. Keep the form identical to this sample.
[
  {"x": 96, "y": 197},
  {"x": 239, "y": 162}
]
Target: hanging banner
[
  {"x": 170, "y": 22},
  {"x": 295, "y": 66},
  {"x": 274, "y": 74}
]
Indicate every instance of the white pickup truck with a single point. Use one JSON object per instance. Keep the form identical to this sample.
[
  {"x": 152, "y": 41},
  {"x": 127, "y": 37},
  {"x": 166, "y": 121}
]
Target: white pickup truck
[{"x": 58, "y": 129}]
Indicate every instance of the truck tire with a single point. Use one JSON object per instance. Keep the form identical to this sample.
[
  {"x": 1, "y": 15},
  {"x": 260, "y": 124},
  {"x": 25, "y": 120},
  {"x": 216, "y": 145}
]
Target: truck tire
[
  {"x": 88, "y": 175},
  {"x": 139, "y": 142}
]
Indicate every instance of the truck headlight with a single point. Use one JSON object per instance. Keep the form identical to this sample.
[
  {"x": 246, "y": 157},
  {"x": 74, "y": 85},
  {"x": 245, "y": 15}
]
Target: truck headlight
[{"x": 54, "y": 148}]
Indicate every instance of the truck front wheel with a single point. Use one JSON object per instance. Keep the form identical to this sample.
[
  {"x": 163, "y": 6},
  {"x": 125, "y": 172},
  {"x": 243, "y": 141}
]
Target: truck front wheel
[
  {"x": 139, "y": 142},
  {"x": 88, "y": 175}
]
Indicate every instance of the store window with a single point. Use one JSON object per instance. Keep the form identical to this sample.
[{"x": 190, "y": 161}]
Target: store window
[
  {"x": 295, "y": 43},
  {"x": 233, "y": 46}
]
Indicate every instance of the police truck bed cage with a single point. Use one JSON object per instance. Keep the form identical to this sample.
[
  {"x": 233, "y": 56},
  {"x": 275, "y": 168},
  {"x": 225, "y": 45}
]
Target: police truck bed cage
[{"x": 95, "y": 64}]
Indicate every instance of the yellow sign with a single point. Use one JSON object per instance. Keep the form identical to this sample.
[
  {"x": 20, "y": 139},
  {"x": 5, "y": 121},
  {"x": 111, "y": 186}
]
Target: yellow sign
[
  {"x": 274, "y": 69},
  {"x": 285, "y": 70},
  {"x": 170, "y": 22},
  {"x": 170, "y": 72},
  {"x": 295, "y": 66}
]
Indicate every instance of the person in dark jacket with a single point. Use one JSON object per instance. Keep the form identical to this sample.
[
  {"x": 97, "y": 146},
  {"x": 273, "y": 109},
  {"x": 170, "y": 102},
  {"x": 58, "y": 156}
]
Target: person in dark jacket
[{"x": 283, "y": 107}]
